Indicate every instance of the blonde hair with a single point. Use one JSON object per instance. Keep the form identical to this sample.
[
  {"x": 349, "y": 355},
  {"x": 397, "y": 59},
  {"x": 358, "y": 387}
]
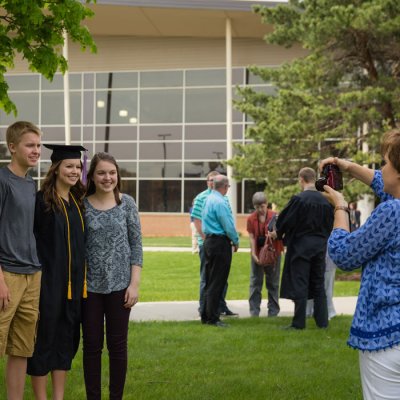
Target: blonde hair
[{"x": 18, "y": 129}]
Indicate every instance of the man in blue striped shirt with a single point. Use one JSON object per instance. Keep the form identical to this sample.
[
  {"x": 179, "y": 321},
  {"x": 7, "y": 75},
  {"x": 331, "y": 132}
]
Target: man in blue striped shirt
[{"x": 220, "y": 233}]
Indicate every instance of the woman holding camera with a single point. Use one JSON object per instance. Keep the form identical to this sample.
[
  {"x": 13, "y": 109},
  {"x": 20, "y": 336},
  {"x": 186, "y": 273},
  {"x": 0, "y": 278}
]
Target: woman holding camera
[
  {"x": 375, "y": 246},
  {"x": 257, "y": 227}
]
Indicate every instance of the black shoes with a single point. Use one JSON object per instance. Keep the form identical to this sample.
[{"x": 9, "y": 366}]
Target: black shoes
[
  {"x": 219, "y": 324},
  {"x": 228, "y": 313}
]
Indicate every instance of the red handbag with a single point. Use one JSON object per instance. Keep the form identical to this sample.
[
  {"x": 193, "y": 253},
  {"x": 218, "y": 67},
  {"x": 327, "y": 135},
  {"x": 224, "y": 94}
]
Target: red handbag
[{"x": 268, "y": 255}]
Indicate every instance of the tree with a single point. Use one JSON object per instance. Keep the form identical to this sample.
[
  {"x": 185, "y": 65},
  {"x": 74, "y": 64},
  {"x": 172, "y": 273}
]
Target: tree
[
  {"x": 34, "y": 29},
  {"x": 337, "y": 100}
]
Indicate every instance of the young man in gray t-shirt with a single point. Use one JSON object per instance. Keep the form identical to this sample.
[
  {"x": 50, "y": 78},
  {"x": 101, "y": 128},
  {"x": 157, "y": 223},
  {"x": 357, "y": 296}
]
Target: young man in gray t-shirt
[{"x": 19, "y": 264}]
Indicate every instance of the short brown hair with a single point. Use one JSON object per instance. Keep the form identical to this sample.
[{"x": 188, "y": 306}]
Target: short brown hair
[
  {"x": 308, "y": 174},
  {"x": 390, "y": 146},
  {"x": 19, "y": 128}
]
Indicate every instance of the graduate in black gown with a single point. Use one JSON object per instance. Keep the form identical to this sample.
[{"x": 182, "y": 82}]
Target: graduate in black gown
[
  {"x": 59, "y": 232},
  {"x": 305, "y": 225}
]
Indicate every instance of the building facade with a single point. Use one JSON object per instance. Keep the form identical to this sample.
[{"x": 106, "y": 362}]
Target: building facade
[{"x": 155, "y": 96}]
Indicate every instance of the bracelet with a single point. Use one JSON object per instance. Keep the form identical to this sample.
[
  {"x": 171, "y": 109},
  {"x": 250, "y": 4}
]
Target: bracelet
[{"x": 344, "y": 208}]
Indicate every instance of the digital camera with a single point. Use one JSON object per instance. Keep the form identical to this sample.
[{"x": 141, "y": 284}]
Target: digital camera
[{"x": 330, "y": 176}]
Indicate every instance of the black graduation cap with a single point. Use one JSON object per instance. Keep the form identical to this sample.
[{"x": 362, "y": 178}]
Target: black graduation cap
[{"x": 64, "y": 152}]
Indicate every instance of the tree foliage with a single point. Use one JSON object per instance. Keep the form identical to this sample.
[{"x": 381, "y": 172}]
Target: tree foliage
[
  {"x": 34, "y": 29},
  {"x": 337, "y": 100}
]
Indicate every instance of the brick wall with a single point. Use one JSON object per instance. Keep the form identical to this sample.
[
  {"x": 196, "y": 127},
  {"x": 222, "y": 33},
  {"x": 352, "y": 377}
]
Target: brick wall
[{"x": 177, "y": 224}]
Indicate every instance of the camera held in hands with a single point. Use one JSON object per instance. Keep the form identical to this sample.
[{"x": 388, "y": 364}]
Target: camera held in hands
[{"x": 330, "y": 176}]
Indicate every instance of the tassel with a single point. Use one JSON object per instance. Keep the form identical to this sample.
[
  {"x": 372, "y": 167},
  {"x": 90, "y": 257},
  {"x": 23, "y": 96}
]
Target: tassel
[
  {"x": 69, "y": 291},
  {"x": 84, "y": 168},
  {"x": 84, "y": 294},
  {"x": 84, "y": 289}
]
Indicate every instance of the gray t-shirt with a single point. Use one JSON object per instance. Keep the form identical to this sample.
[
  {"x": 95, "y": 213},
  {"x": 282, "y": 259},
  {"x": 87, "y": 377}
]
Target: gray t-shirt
[
  {"x": 17, "y": 212},
  {"x": 113, "y": 245}
]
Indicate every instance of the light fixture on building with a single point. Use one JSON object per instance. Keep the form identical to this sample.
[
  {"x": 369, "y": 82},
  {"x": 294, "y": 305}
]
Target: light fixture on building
[
  {"x": 100, "y": 104},
  {"x": 123, "y": 113},
  {"x": 133, "y": 120}
]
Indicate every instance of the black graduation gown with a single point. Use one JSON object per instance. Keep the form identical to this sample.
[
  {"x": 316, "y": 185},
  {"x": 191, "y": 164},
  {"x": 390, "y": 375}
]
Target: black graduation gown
[
  {"x": 59, "y": 322},
  {"x": 305, "y": 225}
]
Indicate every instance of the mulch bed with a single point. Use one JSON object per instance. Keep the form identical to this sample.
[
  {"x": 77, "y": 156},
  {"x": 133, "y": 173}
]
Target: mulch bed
[{"x": 355, "y": 276}]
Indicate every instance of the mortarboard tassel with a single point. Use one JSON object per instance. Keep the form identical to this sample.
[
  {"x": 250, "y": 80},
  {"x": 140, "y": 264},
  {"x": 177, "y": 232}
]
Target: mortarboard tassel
[
  {"x": 84, "y": 295},
  {"x": 84, "y": 168}
]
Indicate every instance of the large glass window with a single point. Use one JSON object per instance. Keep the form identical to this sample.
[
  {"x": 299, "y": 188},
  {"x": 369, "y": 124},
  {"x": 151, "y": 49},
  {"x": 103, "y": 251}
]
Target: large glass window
[{"x": 167, "y": 129}]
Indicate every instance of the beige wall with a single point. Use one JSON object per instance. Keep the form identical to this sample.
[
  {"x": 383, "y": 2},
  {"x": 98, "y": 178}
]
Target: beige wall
[
  {"x": 132, "y": 53},
  {"x": 159, "y": 224}
]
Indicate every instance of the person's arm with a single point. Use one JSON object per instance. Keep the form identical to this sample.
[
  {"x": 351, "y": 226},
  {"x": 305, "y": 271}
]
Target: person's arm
[
  {"x": 363, "y": 174},
  {"x": 342, "y": 212},
  {"x": 197, "y": 224},
  {"x": 132, "y": 291},
  {"x": 4, "y": 292},
  {"x": 253, "y": 247}
]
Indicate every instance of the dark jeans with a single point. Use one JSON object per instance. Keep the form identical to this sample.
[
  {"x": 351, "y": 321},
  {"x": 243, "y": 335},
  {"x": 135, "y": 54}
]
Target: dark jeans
[
  {"x": 218, "y": 252},
  {"x": 95, "y": 308},
  {"x": 222, "y": 303}
]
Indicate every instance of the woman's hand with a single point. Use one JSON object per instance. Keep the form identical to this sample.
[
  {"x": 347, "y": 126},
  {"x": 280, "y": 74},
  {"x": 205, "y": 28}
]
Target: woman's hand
[
  {"x": 131, "y": 296},
  {"x": 334, "y": 197},
  {"x": 255, "y": 258},
  {"x": 342, "y": 164}
]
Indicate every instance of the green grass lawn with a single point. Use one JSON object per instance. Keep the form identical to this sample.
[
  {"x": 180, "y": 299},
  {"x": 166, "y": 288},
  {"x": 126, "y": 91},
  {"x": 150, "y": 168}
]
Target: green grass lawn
[
  {"x": 181, "y": 241},
  {"x": 171, "y": 276},
  {"x": 253, "y": 359}
]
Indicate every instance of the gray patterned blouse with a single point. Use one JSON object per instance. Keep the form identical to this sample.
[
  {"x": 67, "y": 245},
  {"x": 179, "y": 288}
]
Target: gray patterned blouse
[{"x": 113, "y": 245}]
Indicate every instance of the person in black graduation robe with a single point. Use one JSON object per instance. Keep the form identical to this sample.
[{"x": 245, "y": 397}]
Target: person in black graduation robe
[
  {"x": 59, "y": 324},
  {"x": 59, "y": 233},
  {"x": 305, "y": 225}
]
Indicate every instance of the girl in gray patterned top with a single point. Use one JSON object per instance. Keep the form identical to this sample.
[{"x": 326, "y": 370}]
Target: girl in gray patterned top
[{"x": 114, "y": 257}]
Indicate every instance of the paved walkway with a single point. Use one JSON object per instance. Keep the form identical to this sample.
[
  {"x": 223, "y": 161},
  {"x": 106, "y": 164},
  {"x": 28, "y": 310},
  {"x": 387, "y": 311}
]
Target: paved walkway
[{"x": 187, "y": 310}]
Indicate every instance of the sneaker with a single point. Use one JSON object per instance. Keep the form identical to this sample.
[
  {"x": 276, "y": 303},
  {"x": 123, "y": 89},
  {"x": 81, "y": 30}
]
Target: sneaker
[{"x": 229, "y": 313}]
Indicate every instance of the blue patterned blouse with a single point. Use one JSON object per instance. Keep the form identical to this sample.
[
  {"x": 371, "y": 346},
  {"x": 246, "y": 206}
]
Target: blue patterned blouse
[
  {"x": 113, "y": 245},
  {"x": 376, "y": 247}
]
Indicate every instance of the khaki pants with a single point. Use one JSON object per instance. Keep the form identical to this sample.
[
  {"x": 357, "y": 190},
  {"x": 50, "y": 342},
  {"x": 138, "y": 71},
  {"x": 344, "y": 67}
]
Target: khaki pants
[{"x": 18, "y": 322}]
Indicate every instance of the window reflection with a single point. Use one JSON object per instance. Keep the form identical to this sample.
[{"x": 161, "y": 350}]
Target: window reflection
[
  {"x": 161, "y": 106},
  {"x": 205, "y": 132},
  {"x": 116, "y": 132},
  {"x": 158, "y": 132},
  {"x": 22, "y": 82},
  {"x": 4, "y": 153},
  {"x": 28, "y": 108},
  {"x": 160, "y": 169},
  {"x": 199, "y": 169},
  {"x": 161, "y": 79},
  {"x": 53, "y": 108},
  {"x": 192, "y": 189},
  {"x": 127, "y": 169},
  {"x": 129, "y": 187},
  {"x": 205, "y": 151},
  {"x": 123, "y": 151},
  {"x": 160, "y": 196},
  {"x": 205, "y": 105},
  {"x": 206, "y": 77},
  {"x": 116, "y": 107},
  {"x": 160, "y": 151}
]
